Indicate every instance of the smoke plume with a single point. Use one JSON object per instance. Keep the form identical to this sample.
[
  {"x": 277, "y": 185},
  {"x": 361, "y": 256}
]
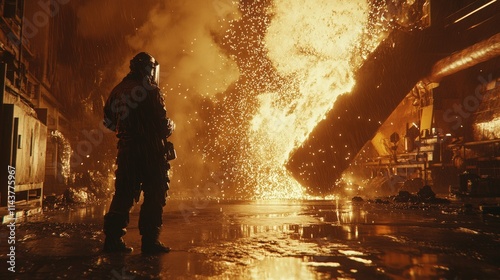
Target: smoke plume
[{"x": 194, "y": 69}]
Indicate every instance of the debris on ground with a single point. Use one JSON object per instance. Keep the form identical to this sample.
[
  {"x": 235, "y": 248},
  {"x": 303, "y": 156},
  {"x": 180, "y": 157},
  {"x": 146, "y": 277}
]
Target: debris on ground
[{"x": 357, "y": 199}]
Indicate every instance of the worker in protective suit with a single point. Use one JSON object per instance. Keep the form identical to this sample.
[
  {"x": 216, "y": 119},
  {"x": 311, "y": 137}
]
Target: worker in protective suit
[{"x": 135, "y": 111}]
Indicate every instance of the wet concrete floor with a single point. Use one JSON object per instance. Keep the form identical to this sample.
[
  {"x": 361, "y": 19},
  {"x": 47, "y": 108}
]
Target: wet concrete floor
[{"x": 267, "y": 240}]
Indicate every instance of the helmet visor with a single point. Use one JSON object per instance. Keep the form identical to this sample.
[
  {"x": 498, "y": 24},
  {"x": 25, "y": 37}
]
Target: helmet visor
[{"x": 155, "y": 77}]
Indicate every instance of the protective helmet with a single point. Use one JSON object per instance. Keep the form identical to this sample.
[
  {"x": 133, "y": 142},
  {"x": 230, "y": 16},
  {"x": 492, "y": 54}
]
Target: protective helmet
[{"x": 146, "y": 65}]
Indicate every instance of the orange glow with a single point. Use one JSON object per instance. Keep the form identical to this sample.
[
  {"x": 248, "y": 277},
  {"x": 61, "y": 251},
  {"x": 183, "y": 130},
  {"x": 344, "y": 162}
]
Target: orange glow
[
  {"x": 265, "y": 83},
  {"x": 487, "y": 130},
  {"x": 312, "y": 44}
]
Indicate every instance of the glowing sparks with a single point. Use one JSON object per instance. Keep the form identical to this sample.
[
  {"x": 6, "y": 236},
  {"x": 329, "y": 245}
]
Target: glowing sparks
[
  {"x": 310, "y": 43},
  {"x": 248, "y": 81},
  {"x": 487, "y": 130},
  {"x": 65, "y": 167}
]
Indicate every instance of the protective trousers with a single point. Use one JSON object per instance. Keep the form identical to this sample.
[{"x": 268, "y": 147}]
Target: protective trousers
[{"x": 133, "y": 175}]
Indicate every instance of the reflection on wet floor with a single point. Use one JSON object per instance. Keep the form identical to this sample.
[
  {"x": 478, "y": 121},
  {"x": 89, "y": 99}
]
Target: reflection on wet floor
[
  {"x": 348, "y": 240},
  {"x": 271, "y": 240}
]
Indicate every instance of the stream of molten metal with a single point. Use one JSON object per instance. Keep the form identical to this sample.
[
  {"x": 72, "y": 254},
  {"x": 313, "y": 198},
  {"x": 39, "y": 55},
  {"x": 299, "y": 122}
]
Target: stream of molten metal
[{"x": 313, "y": 44}]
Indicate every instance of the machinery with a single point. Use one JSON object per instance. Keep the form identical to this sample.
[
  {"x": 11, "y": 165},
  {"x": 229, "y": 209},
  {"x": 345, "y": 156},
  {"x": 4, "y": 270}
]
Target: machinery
[{"x": 446, "y": 131}]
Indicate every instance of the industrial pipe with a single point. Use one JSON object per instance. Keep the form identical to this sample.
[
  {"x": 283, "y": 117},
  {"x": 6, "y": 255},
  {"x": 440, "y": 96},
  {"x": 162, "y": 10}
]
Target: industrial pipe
[{"x": 475, "y": 54}]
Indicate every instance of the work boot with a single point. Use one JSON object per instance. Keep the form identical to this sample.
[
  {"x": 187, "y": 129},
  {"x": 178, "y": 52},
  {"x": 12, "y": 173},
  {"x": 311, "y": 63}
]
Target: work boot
[
  {"x": 116, "y": 245},
  {"x": 114, "y": 229},
  {"x": 153, "y": 246}
]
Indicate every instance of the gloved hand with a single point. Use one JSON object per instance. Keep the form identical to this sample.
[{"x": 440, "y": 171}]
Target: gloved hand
[{"x": 170, "y": 127}]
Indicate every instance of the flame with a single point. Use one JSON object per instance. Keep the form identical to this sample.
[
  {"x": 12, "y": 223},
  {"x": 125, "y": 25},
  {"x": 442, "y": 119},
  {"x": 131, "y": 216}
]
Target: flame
[
  {"x": 66, "y": 155},
  {"x": 311, "y": 44},
  {"x": 241, "y": 108},
  {"x": 487, "y": 130}
]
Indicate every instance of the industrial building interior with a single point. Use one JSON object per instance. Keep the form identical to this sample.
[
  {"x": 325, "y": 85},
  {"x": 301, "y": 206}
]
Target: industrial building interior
[{"x": 441, "y": 128}]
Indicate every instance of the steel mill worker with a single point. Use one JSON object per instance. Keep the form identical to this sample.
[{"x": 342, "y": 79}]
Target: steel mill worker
[{"x": 135, "y": 111}]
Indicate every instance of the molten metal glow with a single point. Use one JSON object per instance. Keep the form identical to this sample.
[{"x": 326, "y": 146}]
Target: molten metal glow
[
  {"x": 487, "y": 130},
  {"x": 65, "y": 157},
  {"x": 313, "y": 45},
  {"x": 249, "y": 87}
]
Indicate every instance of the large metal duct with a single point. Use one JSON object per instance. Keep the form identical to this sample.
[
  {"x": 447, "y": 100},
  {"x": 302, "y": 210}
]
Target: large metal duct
[{"x": 475, "y": 54}]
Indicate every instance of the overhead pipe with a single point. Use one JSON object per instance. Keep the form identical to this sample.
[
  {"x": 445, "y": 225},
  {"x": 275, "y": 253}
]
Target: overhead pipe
[
  {"x": 475, "y": 54},
  {"x": 468, "y": 57}
]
